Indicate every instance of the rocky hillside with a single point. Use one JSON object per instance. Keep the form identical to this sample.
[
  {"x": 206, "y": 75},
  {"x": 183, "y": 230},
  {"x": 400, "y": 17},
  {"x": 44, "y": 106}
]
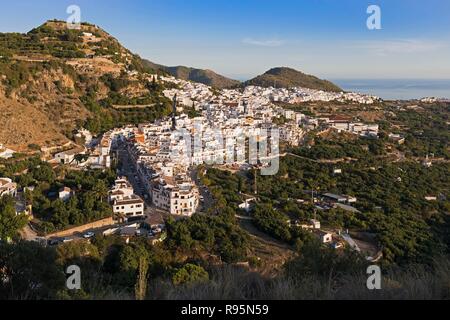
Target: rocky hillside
[
  {"x": 53, "y": 80},
  {"x": 286, "y": 77},
  {"x": 207, "y": 77}
]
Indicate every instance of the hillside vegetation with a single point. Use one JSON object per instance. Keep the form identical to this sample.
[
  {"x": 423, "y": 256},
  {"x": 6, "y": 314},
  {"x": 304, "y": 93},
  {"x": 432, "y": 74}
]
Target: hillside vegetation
[
  {"x": 53, "y": 80},
  {"x": 287, "y": 78},
  {"x": 207, "y": 77}
]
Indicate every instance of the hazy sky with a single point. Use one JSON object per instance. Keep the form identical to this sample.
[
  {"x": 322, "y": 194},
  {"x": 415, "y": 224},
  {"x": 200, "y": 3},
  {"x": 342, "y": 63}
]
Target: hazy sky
[{"x": 243, "y": 38}]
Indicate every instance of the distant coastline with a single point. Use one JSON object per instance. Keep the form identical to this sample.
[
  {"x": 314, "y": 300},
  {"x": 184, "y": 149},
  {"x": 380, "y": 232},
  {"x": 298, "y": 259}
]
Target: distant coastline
[{"x": 398, "y": 89}]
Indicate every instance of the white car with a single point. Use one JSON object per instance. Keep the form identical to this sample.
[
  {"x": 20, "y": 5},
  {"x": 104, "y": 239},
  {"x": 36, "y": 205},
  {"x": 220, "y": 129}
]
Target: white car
[{"x": 89, "y": 235}]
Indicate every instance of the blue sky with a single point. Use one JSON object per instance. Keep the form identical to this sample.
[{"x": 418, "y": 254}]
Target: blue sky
[{"x": 243, "y": 38}]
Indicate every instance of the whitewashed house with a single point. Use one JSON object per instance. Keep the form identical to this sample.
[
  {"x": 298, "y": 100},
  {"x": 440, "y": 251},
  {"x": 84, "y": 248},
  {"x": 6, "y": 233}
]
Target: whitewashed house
[
  {"x": 65, "y": 194},
  {"x": 7, "y": 187},
  {"x": 129, "y": 206}
]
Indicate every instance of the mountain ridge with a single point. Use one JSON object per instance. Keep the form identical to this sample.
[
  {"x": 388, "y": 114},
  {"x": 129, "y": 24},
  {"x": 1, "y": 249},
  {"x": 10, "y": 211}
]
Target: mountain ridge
[
  {"x": 54, "y": 80},
  {"x": 282, "y": 77},
  {"x": 205, "y": 76},
  {"x": 68, "y": 79},
  {"x": 286, "y": 77}
]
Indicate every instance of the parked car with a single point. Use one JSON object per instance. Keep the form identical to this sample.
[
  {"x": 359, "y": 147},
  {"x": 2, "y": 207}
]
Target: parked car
[{"x": 88, "y": 235}]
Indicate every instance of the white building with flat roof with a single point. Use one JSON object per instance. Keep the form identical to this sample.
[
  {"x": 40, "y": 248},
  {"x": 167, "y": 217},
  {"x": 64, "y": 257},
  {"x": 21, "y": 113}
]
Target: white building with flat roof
[
  {"x": 180, "y": 199},
  {"x": 124, "y": 202},
  {"x": 66, "y": 157},
  {"x": 121, "y": 189},
  {"x": 65, "y": 194},
  {"x": 5, "y": 153},
  {"x": 129, "y": 206},
  {"x": 7, "y": 187}
]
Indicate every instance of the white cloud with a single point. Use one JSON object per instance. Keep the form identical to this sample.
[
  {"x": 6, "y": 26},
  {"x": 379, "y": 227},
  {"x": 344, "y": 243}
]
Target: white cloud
[
  {"x": 263, "y": 43},
  {"x": 387, "y": 47}
]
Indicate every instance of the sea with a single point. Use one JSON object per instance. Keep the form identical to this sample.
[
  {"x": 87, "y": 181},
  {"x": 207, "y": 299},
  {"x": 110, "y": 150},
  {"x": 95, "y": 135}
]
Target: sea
[{"x": 397, "y": 89}]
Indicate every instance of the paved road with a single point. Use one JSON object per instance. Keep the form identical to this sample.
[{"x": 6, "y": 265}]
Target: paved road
[
  {"x": 351, "y": 242},
  {"x": 320, "y": 161},
  {"x": 156, "y": 216},
  {"x": 208, "y": 200},
  {"x": 98, "y": 231},
  {"x": 129, "y": 170}
]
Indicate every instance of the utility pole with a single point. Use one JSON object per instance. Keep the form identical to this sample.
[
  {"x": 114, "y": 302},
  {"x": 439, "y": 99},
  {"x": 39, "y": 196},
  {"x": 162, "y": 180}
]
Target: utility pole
[
  {"x": 256, "y": 179},
  {"x": 313, "y": 203}
]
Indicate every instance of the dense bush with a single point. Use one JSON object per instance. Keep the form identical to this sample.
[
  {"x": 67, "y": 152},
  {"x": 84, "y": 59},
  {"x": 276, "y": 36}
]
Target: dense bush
[
  {"x": 88, "y": 204},
  {"x": 33, "y": 272},
  {"x": 391, "y": 199},
  {"x": 218, "y": 235},
  {"x": 190, "y": 274},
  {"x": 10, "y": 223},
  {"x": 106, "y": 117}
]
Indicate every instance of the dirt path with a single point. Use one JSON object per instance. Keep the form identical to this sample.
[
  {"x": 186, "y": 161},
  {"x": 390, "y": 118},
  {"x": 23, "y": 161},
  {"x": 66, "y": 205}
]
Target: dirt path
[
  {"x": 28, "y": 234},
  {"x": 320, "y": 161},
  {"x": 273, "y": 253}
]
